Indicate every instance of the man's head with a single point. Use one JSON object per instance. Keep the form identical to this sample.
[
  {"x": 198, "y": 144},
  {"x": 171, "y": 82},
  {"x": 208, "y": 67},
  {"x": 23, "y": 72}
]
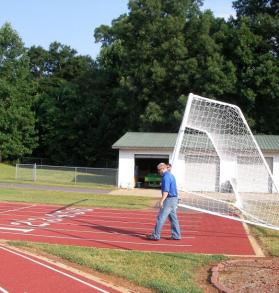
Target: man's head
[{"x": 162, "y": 168}]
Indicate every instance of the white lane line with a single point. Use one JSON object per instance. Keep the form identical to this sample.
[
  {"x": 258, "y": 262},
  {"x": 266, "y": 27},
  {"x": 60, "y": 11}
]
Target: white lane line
[
  {"x": 94, "y": 221},
  {"x": 127, "y": 222},
  {"x": 42, "y": 213},
  {"x": 126, "y": 213},
  {"x": 17, "y": 209},
  {"x": 96, "y": 230},
  {"x": 94, "y": 227},
  {"x": 104, "y": 218},
  {"x": 107, "y": 241},
  {"x": 55, "y": 270},
  {"x": 16, "y": 229},
  {"x": 3, "y": 290},
  {"x": 189, "y": 225}
]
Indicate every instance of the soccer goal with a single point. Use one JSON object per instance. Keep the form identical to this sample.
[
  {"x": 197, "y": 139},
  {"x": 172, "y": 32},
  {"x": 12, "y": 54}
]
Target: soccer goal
[{"x": 219, "y": 166}]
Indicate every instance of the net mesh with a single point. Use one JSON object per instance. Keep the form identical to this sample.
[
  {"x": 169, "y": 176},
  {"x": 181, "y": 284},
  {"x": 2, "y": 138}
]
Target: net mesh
[{"x": 220, "y": 167}]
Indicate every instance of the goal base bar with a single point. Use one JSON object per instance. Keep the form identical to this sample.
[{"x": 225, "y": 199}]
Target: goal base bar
[{"x": 182, "y": 205}]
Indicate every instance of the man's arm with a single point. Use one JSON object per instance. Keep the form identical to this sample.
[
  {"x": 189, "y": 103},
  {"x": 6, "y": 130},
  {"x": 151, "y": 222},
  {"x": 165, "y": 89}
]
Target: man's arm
[
  {"x": 165, "y": 189},
  {"x": 164, "y": 196}
]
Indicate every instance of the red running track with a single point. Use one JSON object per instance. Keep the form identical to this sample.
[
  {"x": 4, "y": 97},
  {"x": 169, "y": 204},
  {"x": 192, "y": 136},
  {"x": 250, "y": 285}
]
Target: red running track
[
  {"x": 20, "y": 272},
  {"x": 121, "y": 229}
]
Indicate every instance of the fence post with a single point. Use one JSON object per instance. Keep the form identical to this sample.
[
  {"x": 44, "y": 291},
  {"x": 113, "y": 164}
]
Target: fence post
[
  {"x": 75, "y": 175},
  {"x": 35, "y": 172},
  {"x": 16, "y": 173},
  {"x": 116, "y": 176}
]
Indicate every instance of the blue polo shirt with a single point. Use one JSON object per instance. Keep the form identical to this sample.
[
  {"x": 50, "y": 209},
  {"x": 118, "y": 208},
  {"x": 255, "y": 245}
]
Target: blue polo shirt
[{"x": 169, "y": 184}]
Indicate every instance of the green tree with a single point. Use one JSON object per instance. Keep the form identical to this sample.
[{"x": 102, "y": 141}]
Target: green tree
[
  {"x": 76, "y": 115},
  {"x": 17, "y": 119},
  {"x": 211, "y": 74},
  {"x": 257, "y": 37},
  {"x": 63, "y": 79},
  {"x": 145, "y": 53},
  {"x": 161, "y": 51}
]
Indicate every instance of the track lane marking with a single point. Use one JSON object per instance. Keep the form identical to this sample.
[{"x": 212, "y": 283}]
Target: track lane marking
[
  {"x": 17, "y": 209},
  {"x": 93, "y": 228},
  {"x": 16, "y": 229},
  {"x": 96, "y": 231},
  {"x": 54, "y": 269},
  {"x": 3, "y": 290},
  {"x": 104, "y": 240},
  {"x": 104, "y": 217}
]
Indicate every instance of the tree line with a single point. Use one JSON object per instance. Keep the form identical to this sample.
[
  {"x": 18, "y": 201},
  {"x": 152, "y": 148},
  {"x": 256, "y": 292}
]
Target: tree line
[{"x": 70, "y": 108}]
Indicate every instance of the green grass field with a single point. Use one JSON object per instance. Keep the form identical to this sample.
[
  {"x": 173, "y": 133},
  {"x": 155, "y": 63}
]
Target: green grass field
[
  {"x": 7, "y": 172},
  {"x": 65, "y": 198},
  {"x": 55, "y": 178},
  {"x": 269, "y": 240}
]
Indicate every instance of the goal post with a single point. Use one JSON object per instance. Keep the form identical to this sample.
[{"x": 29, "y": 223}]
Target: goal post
[{"x": 219, "y": 166}]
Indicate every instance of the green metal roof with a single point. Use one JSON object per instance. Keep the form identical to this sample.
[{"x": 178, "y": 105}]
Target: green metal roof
[
  {"x": 131, "y": 140},
  {"x": 268, "y": 142},
  {"x": 146, "y": 140}
]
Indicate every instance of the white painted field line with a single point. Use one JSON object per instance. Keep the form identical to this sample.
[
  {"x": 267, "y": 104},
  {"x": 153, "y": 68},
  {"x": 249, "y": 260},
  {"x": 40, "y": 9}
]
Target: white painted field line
[
  {"x": 189, "y": 225},
  {"x": 121, "y": 217},
  {"x": 3, "y": 290},
  {"x": 107, "y": 241},
  {"x": 187, "y": 228},
  {"x": 129, "y": 222},
  {"x": 92, "y": 231},
  {"x": 105, "y": 232},
  {"x": 16, "y": 229},
  {"x": 17, "y": 209},
  {"x": 55, "y": 270},
  {"x": 138, "y": 214}
]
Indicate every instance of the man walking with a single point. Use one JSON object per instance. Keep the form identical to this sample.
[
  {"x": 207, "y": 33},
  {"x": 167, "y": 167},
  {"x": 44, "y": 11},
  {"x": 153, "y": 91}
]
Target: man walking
[{"x": 168, "y": 205}]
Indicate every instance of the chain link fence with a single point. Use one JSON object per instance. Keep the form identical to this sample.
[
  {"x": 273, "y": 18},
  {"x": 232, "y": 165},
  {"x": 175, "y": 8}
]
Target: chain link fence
[{"x": 66, "y": 175}]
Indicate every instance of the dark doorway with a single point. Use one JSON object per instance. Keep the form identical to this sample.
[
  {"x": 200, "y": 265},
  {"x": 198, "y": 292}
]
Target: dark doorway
[{"x": 145, "y": 167}]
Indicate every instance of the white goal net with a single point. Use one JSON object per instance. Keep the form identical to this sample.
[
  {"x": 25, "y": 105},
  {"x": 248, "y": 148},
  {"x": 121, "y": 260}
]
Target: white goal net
[{"x": 219, "y": 166}]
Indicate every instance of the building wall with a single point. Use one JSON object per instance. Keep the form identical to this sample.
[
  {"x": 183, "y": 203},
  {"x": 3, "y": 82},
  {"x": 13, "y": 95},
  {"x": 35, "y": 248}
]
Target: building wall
[{"x": 126, "y": 167}]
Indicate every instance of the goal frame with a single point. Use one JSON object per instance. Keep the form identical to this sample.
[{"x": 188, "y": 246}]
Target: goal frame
[{"x": 176, "y": 152}]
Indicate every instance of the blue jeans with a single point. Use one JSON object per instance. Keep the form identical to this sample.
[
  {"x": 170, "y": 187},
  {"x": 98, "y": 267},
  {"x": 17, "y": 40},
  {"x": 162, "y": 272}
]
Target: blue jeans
[{"x": 168, "y": 211}]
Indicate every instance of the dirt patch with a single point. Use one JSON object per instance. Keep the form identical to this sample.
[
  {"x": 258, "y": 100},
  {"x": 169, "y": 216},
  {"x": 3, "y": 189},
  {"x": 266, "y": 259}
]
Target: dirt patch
[
  {"x": 203, "y": 279},
  {"x": 247, "y": 275},
  {"x": 137, "y": 192}
]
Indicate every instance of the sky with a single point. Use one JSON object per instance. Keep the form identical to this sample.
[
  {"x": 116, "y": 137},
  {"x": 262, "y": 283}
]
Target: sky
[{"x": 72, "y": 22}]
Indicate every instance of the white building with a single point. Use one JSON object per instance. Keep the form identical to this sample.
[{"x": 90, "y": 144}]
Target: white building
[{"x": 140, "y": 152}]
